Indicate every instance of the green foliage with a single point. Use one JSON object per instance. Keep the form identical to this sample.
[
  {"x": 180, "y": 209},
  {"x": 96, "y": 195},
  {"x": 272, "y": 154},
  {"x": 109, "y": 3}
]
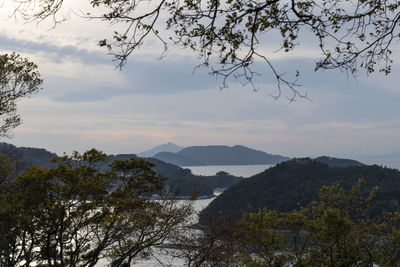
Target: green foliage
[
  {"x": 336, "y": 230},
  {"x": 75, "y": 214},
  {"x": 18, "y": 78}
]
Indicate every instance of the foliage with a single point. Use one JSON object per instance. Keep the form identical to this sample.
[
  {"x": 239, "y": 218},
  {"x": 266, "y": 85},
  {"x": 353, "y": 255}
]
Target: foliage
[
  {"x": 336, "y": 230},
  {"x": 230, "y": 36},
  {"x": 75, "y": 214},
  {"x": 18, "y": 78}
]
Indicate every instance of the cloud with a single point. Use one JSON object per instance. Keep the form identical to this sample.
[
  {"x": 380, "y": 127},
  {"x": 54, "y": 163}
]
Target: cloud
[{"x": 56, "y": 51}]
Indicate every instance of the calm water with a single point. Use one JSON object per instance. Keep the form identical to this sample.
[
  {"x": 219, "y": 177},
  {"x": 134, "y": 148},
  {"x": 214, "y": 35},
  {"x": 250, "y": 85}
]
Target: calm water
[{"x": 237, "y": 170}]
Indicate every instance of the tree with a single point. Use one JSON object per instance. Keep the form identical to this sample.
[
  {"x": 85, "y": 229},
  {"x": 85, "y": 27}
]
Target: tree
[
  {"x": 19, "y": 78},
  {"x": 337, "y": 230},
  {"x": 75, "y": 214},
  {"x": 230, "y": 35}
]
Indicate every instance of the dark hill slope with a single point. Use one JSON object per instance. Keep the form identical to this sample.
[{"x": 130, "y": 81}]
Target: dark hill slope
[
  {"x": 220, "y": 155},
  {"x": 28, "y": 156},
  {"x": 298, "y": 181}
]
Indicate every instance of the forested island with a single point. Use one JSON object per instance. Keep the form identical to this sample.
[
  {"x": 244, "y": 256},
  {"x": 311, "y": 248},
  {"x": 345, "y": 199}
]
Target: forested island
[
  {"x": 219, "y": 155},
  {"x": 291, "y": 184}
]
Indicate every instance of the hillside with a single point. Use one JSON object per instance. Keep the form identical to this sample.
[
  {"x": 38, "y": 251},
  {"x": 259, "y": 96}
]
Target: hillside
[
  {"x": 219, "y": 155},
  {"x": 297, "y": 182},
  {"x": 28, "y": 156},
  {"x": 180, "y": 180}
]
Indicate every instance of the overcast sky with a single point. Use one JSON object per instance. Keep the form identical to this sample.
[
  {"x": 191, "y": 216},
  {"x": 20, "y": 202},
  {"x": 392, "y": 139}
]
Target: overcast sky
[{"x": 87, "y": 103}]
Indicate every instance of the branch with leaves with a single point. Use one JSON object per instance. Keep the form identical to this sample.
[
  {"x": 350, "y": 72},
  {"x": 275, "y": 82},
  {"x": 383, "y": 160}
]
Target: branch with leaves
[{"x": 228, "y": 36}]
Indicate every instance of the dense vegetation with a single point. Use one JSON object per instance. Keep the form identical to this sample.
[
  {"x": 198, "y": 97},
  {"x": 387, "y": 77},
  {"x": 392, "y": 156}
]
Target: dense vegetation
[
  {"x": 296, "y": 182},
  {"x": 76, "y": 214},
  {"x": 336, "y": 230},
  {"x": 219, "y": 155}
]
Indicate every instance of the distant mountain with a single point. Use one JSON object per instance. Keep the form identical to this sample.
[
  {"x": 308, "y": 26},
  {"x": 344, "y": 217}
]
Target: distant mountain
[
  {"x": 180, "y": 180},
  {"x": 169, "y": 147},
  {"x": 297, "y": 182},
  {"x": 219, "y": 155},
  {"x": 335, "y": 162}
]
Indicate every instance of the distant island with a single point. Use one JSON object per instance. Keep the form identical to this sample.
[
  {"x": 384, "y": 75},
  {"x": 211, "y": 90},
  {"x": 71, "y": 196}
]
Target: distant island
[
  {"x": 297, "y": 182},
  {"x": 219, "y": 155},
  {"x": 169, "y": 147}
]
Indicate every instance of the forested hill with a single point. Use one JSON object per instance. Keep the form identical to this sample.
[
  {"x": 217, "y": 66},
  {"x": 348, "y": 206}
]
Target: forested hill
[
  {"x": 288, "y": 184},
  {"x": 183, "y": 181},
  {"x": 219, "y": 155},
  {"x": 28, "y": 156}
]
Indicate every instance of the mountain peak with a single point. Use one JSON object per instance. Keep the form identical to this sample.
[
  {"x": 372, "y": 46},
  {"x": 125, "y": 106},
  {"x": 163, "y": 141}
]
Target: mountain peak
[{"x": 168, "y": 147}]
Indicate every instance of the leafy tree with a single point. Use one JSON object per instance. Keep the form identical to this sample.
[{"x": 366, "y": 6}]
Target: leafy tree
[
  {"x": 75, "y": 214},
  {"x": 337, "y": 230},
  {"x": 230, "y": 35},
  {"x": 19, "y": 78}
]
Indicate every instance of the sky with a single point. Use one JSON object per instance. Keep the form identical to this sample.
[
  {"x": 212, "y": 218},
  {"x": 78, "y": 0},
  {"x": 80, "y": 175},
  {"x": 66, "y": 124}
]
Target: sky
[{"x": 87, "y": 102}]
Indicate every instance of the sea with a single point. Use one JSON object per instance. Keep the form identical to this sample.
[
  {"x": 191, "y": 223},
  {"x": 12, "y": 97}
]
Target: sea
[{"x": 236, "y": 170}]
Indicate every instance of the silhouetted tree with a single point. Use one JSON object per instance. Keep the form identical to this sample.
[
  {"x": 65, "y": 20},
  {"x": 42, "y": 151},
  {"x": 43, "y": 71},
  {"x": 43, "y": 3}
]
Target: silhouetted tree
[
  {"x": 18, "y": 78},
  {"x": 75, "y": 214},
  {"x": 230, "y": 36}
]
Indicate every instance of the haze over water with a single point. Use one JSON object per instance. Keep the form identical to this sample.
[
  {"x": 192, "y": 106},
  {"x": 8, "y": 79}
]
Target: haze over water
[{"x": 236, "y": 170}]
